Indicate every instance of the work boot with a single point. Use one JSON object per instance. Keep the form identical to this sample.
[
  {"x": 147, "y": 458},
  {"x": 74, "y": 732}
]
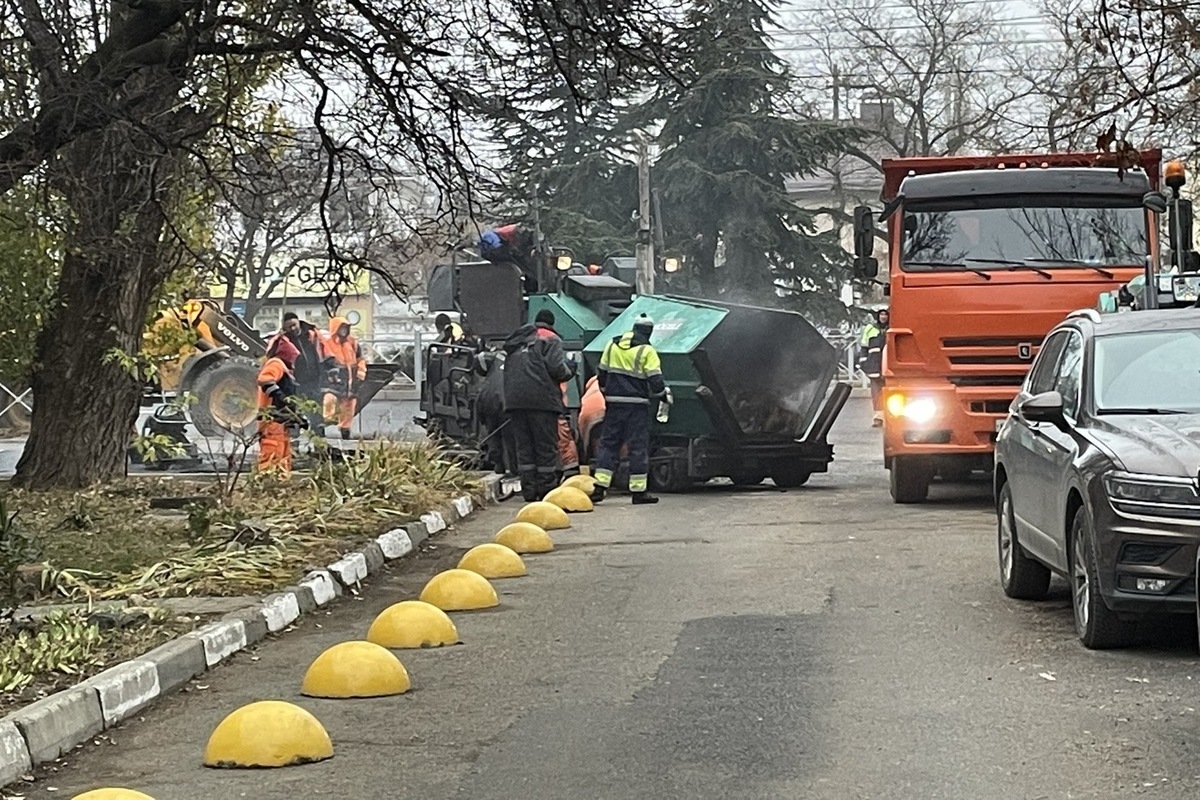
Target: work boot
[
  {"x": 644, "y": 499},
  {"x": 598, "y": 493}
]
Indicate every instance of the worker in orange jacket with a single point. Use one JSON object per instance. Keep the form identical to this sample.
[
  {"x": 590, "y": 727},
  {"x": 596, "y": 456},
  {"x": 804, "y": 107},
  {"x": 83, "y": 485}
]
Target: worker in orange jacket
[
  {"x": 347, "y": 369},
  {"x": 568, "y": 453},
  {"x": 276, "y": 388}
]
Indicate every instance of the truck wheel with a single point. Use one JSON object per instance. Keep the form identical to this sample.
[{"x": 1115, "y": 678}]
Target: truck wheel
[
  {"x": 791, "y": 477},
  {"x": 747, "y": 478},
  {"x": 1021, "y": 577},
  {"x": 225, "y": 398},
  {"x": 909, "y": 480},
  {"x": 1097, "y": 626}
]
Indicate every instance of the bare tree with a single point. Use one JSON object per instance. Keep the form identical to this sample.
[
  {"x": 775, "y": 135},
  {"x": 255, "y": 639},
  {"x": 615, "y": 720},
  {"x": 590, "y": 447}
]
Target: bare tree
[
  {"x": 932, "y": 70},
  {"x": 269, "y": 229},
  {"x": 123, "y": 104},
  {"x": 1067, "y": 80},
  {"x": 1148, "y": 76}
]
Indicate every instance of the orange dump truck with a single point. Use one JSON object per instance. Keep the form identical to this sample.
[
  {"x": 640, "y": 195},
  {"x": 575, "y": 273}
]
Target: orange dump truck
[{"x": 985, "y": 255}]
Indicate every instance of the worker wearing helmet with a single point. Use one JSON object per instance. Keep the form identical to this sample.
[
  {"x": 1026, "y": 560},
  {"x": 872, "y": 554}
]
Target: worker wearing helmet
[
  {"x": 276, "y": 388},
  {"x": 630, "y": 376},
  {"x": 346, "y": 370},
  {"x": 449, "y": 332}
]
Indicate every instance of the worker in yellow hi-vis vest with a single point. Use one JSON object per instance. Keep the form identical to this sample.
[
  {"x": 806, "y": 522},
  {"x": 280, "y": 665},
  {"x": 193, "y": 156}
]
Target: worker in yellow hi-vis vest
[{"x": 630, "y": 376}]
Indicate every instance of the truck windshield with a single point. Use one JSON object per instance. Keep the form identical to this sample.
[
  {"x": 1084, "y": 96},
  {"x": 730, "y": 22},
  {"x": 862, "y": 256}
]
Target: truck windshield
[
  {"x": 1153, "y": 372},
  {"x": 1043, "y": 236}
]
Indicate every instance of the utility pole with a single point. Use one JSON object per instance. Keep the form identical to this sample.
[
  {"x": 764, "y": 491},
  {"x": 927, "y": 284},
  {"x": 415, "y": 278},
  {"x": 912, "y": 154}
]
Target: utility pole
[
  {"x": 645, "y": 247},
  {"x": 837, "y": 92},
  {"x": 539, "y": 254}
]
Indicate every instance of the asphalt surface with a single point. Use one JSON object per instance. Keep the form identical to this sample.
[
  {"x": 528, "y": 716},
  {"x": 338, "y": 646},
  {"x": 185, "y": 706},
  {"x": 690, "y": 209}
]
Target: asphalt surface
[{"x": 815, "y": 643}]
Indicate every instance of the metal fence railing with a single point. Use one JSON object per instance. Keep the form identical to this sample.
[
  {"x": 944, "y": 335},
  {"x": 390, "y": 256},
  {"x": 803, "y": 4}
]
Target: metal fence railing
[
  {"x": 848, "y": 371},
  {"x": 404, "y": 349}
]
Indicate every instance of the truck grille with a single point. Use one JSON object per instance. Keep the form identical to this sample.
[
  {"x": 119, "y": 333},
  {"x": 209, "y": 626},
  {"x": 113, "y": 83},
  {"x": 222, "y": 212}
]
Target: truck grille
[
  {"x": 990, "y": 406},
  {"x": 1016, "y": 351},
  {"x": 987, "y": 380}
]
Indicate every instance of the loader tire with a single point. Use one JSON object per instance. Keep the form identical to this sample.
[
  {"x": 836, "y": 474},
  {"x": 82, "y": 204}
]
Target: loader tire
[{"x": 226, "y": 398}]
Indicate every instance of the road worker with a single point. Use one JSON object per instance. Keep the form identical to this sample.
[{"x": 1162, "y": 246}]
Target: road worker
[
  {"x": 276, "y": 413},
  {"x": 449, "y": 331},
  {"x": 630, "y": 376},
  {"x": 534, "y": 368},
  {"x": 568, "y": 453},
  {"x": 346, "y": 370}
]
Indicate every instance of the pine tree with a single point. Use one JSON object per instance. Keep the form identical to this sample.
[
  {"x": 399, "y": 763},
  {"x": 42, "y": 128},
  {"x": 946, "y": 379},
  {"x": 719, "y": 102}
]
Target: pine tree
[{"x": 728, "y": 144}]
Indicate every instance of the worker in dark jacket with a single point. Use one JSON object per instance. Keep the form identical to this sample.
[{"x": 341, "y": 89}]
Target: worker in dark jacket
[
  {"x": 309, "y": 370},
  {"x": 630, "y": 376},
  {"x": 534, "y": 366}
]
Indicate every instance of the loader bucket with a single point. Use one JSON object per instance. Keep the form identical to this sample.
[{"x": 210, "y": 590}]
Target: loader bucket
[
  {"x": 738, "y": 373},
  {"x": 378, "y": 376}
]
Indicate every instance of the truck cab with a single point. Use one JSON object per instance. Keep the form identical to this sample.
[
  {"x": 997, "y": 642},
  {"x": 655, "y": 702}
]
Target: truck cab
[{"x": 985, "y": 256}]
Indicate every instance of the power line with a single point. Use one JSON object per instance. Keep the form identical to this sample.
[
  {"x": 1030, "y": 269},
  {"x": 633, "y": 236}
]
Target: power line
[{"x": 1015, "y": 22}]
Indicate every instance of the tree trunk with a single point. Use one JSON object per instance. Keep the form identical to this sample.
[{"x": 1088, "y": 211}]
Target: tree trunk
[{"x": 85, "y": 400}]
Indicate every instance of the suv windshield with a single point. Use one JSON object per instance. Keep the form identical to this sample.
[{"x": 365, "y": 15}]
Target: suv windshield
[
  {"x": 1154, "y": 372},
  {"x": 1031, "y": 236}
]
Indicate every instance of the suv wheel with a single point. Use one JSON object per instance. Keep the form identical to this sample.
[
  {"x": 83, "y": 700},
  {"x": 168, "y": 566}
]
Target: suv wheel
[
  {"x": 1021, "y": 577},
  {"x": 1095, "y": 623}
]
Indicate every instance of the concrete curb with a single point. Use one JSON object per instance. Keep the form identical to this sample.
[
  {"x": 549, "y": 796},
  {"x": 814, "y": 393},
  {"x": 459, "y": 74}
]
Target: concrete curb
[{"x": 52, "y": 726}]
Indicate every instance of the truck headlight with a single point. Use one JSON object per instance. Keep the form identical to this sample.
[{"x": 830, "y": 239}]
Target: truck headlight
[
  {"x": 1153, "y": 495},
  {"x": 915, "y": 409}
]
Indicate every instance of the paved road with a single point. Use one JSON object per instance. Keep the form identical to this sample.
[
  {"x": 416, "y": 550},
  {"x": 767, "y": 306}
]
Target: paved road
[{"x": 819, "y": 643}]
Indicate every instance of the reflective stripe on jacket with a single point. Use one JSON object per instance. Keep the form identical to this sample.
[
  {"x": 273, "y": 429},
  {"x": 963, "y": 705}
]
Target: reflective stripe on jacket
[{"x": 630, "y": 371}]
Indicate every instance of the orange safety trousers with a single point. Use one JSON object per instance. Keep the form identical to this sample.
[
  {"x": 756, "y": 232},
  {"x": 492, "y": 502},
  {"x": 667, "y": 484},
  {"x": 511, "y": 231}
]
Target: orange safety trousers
[
  {"x": 340, "y": 410},
  {"x": 274, "y": 446}
]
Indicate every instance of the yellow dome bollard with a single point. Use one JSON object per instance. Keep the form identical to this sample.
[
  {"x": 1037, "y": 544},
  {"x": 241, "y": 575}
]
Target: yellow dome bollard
[
  {"x": 546, "y": 516},
  {"x": 459, "y": 590},
  {"x": 269, "y": 733},
  {"x": 411, "y": 624},
  {"x": 355, "y": 669},
  {"x": 493, "y": 560},
  {"x": 584, "y": 483},
  {"x": 568, "y": 498},
  {"x": 524, "y": 537},
  {"x": 112, "y": 794}
]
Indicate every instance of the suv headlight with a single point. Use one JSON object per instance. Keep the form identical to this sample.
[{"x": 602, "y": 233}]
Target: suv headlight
[{"x": 1153, "y": 495}]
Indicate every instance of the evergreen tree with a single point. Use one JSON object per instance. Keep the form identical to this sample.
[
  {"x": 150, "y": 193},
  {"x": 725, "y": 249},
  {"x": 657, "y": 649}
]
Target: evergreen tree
[
  {"x": 728, "y": 144},
  {"x": 560, "y": 132}
]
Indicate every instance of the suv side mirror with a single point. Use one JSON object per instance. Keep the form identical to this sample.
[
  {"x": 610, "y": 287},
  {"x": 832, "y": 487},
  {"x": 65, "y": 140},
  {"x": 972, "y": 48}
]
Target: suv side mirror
[
  {"x": 1044, "y": 407},
  {"x": 866, "y": 266}
]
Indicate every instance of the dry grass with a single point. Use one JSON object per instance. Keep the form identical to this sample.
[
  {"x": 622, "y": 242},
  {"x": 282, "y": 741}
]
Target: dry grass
[{"x": 107, "y": 544}]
